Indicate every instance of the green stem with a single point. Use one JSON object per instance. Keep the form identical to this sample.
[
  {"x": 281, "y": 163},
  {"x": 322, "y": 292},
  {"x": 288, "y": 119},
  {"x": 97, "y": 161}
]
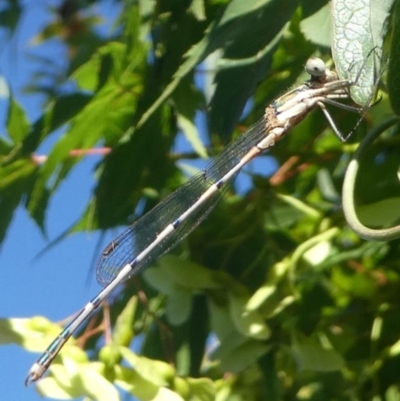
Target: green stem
[{"x": 386, "y": 234}]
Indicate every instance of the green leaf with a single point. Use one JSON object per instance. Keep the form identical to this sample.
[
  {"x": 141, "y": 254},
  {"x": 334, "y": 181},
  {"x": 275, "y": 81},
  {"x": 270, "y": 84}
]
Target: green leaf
[
  {"x": 15, "y": 182},
  {"x": 10, "y": 15},
  {"x": 146, "y": 169},
  {"x": 156, "y": 372},
  {"x": 362, "y": 286},
  {"x": 251, "y": 41},
  {"x": 273, "y": 296},
  {"x": 86, "y": 76},
  {"x": 187, "y": 101},
  {"x": 384, "y": 213},
  {"x": 221, "y": 322},
  {"x": 59, "y": 112},
  {"x": 33, "y": 334},
  {"x": 310, "y": 355},
  {"x": 202, "y": 389},
  {"x": 359, "y": 27},
  {"x": 95, "y": 120},
  {"x": 144, "y": 390},
  {"x": 49, "y": 387},
  {"x": 247, "y": 55},
  {"x": 96, "y": 386},
  {"x": 106, "y": 65},
  {"x": 198, "y": 9},
  {"x": 17, "y": 121},
  {"x": 392, "y": 394},
  {"x": 248, "y": 322},
  {"x": 237, "y": 353},
  {"x": 160, "y": 280},
  {"x": 317, "y": 27},
  {"x": 178, "y": 307},
  {"x": 187, "y": 274},
  {"x": 178, "y": 279},
  {"x": 123, "y": 330},
  {"x": 77, "y": 377}
]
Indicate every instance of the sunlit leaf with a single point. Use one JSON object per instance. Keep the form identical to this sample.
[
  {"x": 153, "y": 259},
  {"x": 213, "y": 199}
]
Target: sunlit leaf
[
  {"x": 17, "y": 122},
  {"x": 317, "y": 26},
  {"x": 123, "y": 330},
  {"x": 157, "y": 372},
  {"x": 202, "y": 389},
  {"x": 249, "y": 323},
  {"x": 358, "y": 29}
]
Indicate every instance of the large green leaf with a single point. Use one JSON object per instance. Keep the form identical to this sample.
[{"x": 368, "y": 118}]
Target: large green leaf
[{"x": 359, "y": 28}]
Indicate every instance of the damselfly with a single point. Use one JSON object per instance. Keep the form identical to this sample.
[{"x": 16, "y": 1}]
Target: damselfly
[{"x": 180, "y": 213}]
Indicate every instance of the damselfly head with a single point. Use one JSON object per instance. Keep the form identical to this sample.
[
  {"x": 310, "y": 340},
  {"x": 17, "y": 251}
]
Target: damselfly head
[
  {"x": 318, "y": 71},
  {"x": 315, "y": 67}
]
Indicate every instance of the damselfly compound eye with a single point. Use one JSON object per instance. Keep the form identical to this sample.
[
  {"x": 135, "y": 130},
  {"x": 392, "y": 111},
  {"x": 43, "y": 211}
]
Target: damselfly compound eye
[{"x": 315, "y": 67}]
